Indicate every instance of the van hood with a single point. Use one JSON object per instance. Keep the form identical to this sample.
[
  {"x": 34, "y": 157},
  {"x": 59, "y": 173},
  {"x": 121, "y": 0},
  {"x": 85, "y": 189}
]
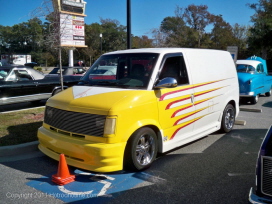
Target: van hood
[{"x": 97, "y": 100}]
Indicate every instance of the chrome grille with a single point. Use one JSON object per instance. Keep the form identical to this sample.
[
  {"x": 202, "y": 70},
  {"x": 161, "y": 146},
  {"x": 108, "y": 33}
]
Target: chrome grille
[
  {"x": 75, "y": 122},
  {"x": 267, "y": 175}
]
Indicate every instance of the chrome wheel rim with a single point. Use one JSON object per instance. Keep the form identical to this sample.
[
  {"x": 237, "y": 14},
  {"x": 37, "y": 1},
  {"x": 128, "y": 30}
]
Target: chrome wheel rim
[
  {"x": 145, "y": 149},
  {"x": 229, "y": 118},
  {"x": 256, "y": 98}
]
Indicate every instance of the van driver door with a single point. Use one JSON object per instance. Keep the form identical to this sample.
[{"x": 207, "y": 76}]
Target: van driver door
[{"x": 176, "y": 105}]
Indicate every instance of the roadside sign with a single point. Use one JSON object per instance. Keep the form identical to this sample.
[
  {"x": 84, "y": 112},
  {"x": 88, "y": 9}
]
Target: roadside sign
[
  {"x": 233, "y": 51},
  {"x": 72, "y": 30}
]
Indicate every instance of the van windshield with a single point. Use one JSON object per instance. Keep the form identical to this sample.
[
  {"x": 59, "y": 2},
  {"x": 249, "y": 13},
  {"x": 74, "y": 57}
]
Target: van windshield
[{"x": 121, "y": 70}]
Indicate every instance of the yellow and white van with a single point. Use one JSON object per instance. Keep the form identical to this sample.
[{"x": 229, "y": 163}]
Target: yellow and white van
[{"x": 134, "y": 103}]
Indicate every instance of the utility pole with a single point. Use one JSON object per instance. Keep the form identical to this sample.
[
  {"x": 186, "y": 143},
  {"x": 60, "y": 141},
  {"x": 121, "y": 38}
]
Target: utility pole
[{"x": 128, "y": 24}]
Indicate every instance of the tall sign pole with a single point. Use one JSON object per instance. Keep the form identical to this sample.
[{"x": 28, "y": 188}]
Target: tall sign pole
[
  {"x": 128, "y": 24},
  {"x": 72, "y": 34}
]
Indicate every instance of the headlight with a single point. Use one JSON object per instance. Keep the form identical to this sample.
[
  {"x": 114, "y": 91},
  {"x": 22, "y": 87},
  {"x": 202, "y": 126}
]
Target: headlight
[{"x": 109, "y": 128}]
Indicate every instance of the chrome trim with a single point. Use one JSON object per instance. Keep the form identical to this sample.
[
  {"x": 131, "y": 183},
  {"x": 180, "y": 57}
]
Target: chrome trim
[
  {"x": 262, "y": 173},
  {"x": 247, "y": 94},
  {"x": 64, "y": 121},
  {"x": 26, "y": 98},
  {"x": 253, "y": 198},
  {"x": 167, "y": 82}
]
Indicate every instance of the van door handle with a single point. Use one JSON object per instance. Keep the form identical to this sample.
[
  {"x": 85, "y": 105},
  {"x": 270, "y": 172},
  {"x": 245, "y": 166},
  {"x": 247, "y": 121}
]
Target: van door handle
[{"x": 192, "y": 98}]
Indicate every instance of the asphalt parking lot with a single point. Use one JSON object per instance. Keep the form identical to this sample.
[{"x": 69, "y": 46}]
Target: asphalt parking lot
[{"x": 219, "y": 168}]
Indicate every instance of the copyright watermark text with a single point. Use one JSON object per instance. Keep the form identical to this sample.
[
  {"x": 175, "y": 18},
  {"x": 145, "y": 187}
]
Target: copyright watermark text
[{"x": 47, "y": 195}]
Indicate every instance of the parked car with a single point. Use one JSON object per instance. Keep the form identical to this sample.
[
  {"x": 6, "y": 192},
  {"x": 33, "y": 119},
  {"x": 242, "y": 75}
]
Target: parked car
[
  {"x": 22, "y": 84},
  {"x": 104, "y": 72},
  {"x": 253, "y": 79},
  {"x": 32, "y": 64},
  {"x": 67, "y": 71},
  {"x": 158, "y": 100},
  {"x": 262, "y": 192}
]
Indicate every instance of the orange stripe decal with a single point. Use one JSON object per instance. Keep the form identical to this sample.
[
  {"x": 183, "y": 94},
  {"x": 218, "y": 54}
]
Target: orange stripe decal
[
  {"x": 174, "y": 134},
  {"x": 195, "y": 112},
  {"x": 177, "y": 91},
  {"x": 190, "y": 87},
  {"x": 179, "y": 110},
  {"x": 173, "y": 102}
]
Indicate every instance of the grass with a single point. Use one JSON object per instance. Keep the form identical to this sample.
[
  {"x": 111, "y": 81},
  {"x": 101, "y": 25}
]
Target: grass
[{"x": 20, "y": 126}]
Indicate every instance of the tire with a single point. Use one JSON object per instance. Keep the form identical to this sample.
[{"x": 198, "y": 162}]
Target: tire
[
  {"x": 141, "y": 150},
  {"x": 228, "y": 119},
  {"x": 254, "y": 99},
  {"x": 268, "y": 93}
]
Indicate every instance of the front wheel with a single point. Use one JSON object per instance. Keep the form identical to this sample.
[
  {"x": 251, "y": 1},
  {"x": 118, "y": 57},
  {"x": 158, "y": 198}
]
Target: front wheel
[
  {"x": 228, "y": 119},
  {"x": 254, "y": 99},
  {"x": 141, "y": 149}
]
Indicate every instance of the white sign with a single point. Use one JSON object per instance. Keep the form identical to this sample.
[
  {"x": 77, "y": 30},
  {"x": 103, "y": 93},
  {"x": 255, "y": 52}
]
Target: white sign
[
  {"x": 72, "y": 30},
  {"x": 233, "y": 51},
  {"x": 73, "y": 3}
]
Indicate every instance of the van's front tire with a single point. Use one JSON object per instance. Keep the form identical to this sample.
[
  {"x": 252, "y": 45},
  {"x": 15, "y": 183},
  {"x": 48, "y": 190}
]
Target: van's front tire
[
  {"x": 228, "y": 119},
  {"x": 141, "y": 150}
]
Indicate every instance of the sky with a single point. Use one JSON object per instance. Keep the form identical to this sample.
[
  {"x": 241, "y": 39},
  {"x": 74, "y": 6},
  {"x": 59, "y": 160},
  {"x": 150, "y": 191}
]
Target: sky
[{"x": 145, "y": 14}]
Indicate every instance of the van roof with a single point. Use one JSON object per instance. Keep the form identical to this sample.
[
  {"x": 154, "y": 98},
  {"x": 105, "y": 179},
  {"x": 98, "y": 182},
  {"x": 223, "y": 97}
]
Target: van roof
[{"x": 159, "y": 50}]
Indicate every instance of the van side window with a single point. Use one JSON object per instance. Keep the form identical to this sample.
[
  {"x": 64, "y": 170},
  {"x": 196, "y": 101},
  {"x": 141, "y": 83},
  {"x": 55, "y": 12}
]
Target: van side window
[{"x": 175, "y": 67}]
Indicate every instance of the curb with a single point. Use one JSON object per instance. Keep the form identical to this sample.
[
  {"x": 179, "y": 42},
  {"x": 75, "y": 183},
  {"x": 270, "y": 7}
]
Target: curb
[
  {"x": 240, "y": 122},
  {"x": 251, "y": 110},
  {"x": 13, "y": 150}
]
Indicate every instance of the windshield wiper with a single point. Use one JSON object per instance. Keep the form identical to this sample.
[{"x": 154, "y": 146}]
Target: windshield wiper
[
  {"x": 103, "y": 82},
  {"x": 84, "y": 82}
]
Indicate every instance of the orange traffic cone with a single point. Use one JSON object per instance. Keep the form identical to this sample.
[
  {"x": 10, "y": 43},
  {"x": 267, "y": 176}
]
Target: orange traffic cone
[{"x": 63, "y": 176}]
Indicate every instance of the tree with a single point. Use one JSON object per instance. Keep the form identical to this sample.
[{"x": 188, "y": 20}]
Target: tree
[
  {"x": 177, "y": 33},
  {"x": 260, "y": 33},
  {"x": 114, "y": 35},
  {"x": 221, "y": 35},
  {"x": 141, "y": 42},
  {"x": 186, "y": 28},
  {"x": 197, "y": 17},
  {"x": 240, "y": 34}
]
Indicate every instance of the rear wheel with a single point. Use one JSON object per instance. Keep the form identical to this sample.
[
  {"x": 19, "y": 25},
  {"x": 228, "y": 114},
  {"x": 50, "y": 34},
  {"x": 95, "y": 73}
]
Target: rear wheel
[
  {"x": 268, "y": 93},
  {"x": 228, "y": 118},
  {"x": 141, "y": 149}
]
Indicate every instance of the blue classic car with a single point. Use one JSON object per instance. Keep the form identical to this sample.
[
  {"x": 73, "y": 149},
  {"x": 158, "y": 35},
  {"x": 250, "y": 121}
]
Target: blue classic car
[
  {"x": 262, "y": 192},
  {"x": 253, "y": 78}
]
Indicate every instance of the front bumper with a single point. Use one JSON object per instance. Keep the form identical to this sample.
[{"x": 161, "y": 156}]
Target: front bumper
[
  {"x": 247, "y": 94},
  {"x": 81, "y": 153},
  {"x": 253, "y": 198}
]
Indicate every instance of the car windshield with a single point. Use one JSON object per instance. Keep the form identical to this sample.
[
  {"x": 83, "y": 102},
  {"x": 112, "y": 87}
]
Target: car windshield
[
  {"x": 56, "y": 71},
  {"x": 245, "y": 68},
  {"x": 3, "y": 73},
  {"x": 121, "y": 70}
]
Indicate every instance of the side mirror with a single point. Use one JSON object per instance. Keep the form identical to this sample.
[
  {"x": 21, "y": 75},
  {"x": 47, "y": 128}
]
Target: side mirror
[{"x": 167, "y": 82}]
